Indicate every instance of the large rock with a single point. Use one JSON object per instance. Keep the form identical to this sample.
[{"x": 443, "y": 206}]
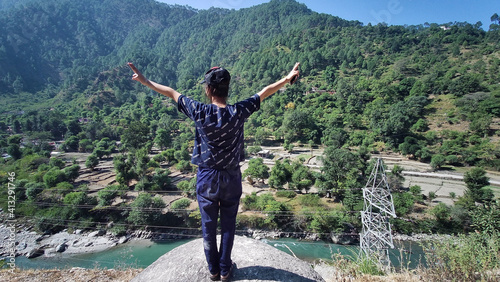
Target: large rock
[
  {"x": 99, "y": 232},
  {"x": 35, "y": 253},
  {"x": 61, "y": 247},
  {"x": 255, "y": 261}
]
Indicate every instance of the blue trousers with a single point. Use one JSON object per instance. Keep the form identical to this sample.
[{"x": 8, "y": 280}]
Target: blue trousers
[{"x": 218, "y": 191}]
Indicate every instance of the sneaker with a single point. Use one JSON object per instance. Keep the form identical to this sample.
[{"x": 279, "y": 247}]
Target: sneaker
[
  {"x": 215, "y": 277},
  {"x": 225, "y": 278}
]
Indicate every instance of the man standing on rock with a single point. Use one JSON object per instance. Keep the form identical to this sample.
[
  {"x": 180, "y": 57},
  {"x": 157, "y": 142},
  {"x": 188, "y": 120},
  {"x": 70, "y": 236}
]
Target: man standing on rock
[{"x": 218, "y": 151}]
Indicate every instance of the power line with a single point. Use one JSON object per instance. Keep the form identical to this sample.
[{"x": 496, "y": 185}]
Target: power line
[
  {"x": 196, "y": 230},
  {"x": 151, "y": 209}
]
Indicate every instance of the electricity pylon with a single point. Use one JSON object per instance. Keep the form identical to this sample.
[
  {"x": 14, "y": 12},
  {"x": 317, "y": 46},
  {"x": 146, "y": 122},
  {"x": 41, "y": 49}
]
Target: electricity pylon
[{"x": 376, "y": 237}]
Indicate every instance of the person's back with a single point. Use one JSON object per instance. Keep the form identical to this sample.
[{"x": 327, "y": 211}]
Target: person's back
[{"x": 219, "y": 131}]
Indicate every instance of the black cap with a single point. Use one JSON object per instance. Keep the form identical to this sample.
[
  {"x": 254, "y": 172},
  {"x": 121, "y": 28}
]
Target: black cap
[{"x": 217, "y": 77}]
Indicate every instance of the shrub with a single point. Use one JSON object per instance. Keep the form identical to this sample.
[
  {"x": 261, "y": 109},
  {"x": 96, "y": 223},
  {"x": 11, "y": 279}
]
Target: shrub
[
  {"x": 416, "y": 191},
  {"x": 181, "y": 204},
  {"x": 146, "y": 210},
  {"x": 310, "y": 200},
  {"x": 441, "y": 212},
  {"x": 403, "y": 203},
  {"x": 253, "y": 150},
  {"x": 119, "y": 230},
  {"x": 325, "y": 222},
  {"x": 268, "y": 204},
  {"x": 286, "y": 194},
  {"x": 250, "y": 221},
  {"x": 54, "y": 176},
  {"x": 250, "y": 201},
  {"x": 72, "y": 172},
  {"x": 55, "y": 162},
  {"x": 33, "y": 189},
  {"x": 183, "y": 165},
  {"x": 437, "y": 161},
  {"x": 106, "y": 195},
  {"x": 92, "y": 161},
  {"x": 470, "y": 257}
]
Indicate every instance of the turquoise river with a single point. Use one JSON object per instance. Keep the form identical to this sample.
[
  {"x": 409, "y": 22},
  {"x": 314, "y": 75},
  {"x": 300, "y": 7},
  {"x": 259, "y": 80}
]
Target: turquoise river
[{"x": 142, "y": 253}]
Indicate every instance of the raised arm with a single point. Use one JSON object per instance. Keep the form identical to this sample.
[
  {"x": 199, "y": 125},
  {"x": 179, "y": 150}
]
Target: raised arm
[
  {"x": 273, "y": 88},
  {"x": 162, "y": 89}
]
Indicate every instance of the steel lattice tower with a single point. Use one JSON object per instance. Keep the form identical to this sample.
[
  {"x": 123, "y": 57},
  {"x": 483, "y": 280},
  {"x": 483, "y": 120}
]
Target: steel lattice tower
[{"x": 376, "y": 237}]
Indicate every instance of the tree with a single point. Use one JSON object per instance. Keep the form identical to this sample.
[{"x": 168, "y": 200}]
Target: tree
[
  {"x": 437, "y": 161},
  {"x": 92, "y": 161},
  {"x": 257, "y": 169},
  {"x": 162, "y": 139},
  {"x": 329, "y": 75},
  {"x": 480, "y": 124},
  {"x": 56, "y": 162},
  {"x": 136, "y": 135},
  {"x": 475, "y": 179},
  {"x": 169, "y": 154},
  {"x": 107, "y": 195},
  {"x": 403, "y": 203},
  {"x": 341, "y": 170},
  {"x": 431, "y": 196},
  {"x": 85, "y": 145},
  {"x": 146, "y": 209},
  {"x": 299, "y": 125},
  {"x": 466, "y": 84},
  {"x": 185, "y": 187},
  {"x": 14, "y": 151},
  {"x": 72, "y": 172},
  {"x": 416, "y": 191},
  {"x": 78, "y": 203},
  {"x": 54, "y": 176},
  {"x": 73, "y": 127},
  {"x": 421, "y": 125},
  {"x": 495, "y": 18},
  {"x": 281, "y": 173},
  {"x": 103, "y": 148},
  {"x": 124, "y": 167},
  {"x": 302, "y": 177},
  {"x": 141, "y": 162},
  {"x": 33, "y": 189},
  {"x": 442, "y": 212},
  {"x": 71, "y": 144}
]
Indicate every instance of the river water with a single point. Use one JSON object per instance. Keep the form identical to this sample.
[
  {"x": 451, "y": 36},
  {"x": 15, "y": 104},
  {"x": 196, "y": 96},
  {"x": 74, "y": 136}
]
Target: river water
[{"x": 140, "y": 254}]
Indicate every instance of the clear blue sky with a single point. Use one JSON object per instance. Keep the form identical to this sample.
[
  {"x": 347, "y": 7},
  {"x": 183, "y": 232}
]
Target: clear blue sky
[{"x": 392, "y": 12}]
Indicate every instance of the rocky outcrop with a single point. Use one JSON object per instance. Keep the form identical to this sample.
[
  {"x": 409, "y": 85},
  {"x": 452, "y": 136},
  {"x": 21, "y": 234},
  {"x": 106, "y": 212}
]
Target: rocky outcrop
[
  {"x": 35, "y": 253},
  {"x": 255, "y": 261}
]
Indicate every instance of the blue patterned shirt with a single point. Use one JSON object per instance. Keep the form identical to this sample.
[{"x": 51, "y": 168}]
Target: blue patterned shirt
[{"x": 218, "y": 142}]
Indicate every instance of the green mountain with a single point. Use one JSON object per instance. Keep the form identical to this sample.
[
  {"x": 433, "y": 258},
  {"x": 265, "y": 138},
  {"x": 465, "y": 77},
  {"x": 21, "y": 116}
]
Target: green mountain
[
  {"x": 365, "y": 84},
  {"x": 49, "y": 42}
]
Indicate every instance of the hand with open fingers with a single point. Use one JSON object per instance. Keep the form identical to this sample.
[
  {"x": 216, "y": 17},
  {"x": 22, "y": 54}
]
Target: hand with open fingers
[
  {"x": 294, "y": 74},
  {"x": 137, "y": 74}
]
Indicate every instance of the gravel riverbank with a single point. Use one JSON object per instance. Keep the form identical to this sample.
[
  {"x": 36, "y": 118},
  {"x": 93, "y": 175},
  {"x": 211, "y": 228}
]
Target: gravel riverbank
[{"x": 30, "y": 244}]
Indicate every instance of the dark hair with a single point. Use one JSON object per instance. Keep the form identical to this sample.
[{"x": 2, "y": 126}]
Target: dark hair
[
  {"x": 217, "y": 82},
  {"x": 221, "y": 91}
]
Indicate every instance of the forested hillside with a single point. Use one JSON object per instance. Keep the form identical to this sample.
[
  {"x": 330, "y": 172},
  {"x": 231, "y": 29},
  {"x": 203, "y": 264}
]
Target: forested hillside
[{"x": 430, "y": 92}]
